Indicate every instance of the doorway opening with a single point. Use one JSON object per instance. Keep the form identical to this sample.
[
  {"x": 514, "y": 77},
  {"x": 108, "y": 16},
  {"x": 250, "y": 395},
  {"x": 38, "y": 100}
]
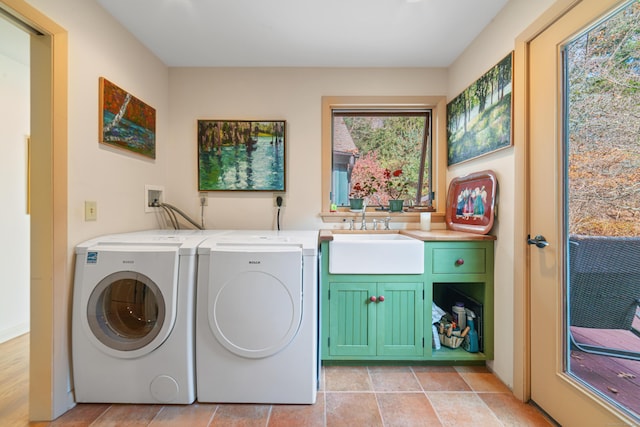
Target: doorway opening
[
  {"x": 14, "y": 150},
  {"x": 49, "y": 370}
]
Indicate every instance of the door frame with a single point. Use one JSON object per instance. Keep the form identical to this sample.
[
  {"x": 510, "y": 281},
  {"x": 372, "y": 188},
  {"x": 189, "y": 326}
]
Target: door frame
[{"x": 49, "y": 367}]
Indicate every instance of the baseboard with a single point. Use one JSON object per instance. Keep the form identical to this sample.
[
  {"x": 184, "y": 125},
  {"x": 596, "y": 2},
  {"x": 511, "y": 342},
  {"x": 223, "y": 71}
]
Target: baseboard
[{"x": 14, "y": 331}]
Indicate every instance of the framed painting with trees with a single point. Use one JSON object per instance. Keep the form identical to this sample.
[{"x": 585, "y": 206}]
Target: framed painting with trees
[
  {"x": 241, "y": 155},
  {"x": 479, "y": 119},
  {"x": 126, "y": 122}
]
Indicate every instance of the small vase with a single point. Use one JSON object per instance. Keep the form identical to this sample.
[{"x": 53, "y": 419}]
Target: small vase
[
  {"x": 356, "y": 204},
  {"x": 395, "y": 205}
]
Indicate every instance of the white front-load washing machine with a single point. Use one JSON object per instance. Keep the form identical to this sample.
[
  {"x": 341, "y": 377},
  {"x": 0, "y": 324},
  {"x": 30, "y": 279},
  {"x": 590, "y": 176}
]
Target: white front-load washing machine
[
  {"x": 133, "y": 318},
  {"x": 256, "y": 318}
]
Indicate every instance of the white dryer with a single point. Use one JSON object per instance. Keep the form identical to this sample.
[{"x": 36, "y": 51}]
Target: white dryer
[
  {"x": 133, "y": 318},
  {"x": 256, "y": 318}
]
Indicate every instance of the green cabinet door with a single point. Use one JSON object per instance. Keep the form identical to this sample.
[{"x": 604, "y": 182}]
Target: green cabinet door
[
  {"x": 400, "y": 309},
  {"x": 352, "y": 330},
  {"x": 376, "y": 319}
]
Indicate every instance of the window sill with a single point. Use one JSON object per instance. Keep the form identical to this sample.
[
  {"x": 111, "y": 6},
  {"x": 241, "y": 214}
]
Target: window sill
[{"x": 397, "y": 217}]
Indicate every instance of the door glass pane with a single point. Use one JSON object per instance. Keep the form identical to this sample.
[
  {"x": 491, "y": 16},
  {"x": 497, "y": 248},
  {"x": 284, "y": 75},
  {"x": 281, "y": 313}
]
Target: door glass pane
[
  {"x": 602, "y": 123},
  {"x": 130, "y": 308},
  {"x": 126, "y": 311}
]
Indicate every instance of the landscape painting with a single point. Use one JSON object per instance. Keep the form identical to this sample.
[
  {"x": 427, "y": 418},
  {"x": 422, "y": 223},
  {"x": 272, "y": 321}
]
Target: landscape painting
[
  {"x": 241, "y": 155},
  {"x": 125, "y": 121},
  {"x": 479, "y": 119}
]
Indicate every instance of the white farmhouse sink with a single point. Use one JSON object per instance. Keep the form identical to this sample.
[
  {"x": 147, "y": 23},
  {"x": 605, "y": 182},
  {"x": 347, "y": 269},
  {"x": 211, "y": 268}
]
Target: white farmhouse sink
[{"x": 372, "y": 253}]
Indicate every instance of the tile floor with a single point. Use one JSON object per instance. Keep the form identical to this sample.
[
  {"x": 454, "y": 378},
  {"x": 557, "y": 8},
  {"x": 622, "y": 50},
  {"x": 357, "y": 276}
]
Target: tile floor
[{"x": 350, "y": 396}]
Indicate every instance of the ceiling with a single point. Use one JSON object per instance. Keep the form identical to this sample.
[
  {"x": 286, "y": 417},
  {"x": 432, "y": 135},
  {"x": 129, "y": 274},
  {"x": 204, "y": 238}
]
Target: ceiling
[{"x": 305, "y": 33}]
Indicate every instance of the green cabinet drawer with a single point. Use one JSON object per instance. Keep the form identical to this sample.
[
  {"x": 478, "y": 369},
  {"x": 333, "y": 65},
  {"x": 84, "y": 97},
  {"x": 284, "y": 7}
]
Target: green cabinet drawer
[{"x": 459, "y": 261}]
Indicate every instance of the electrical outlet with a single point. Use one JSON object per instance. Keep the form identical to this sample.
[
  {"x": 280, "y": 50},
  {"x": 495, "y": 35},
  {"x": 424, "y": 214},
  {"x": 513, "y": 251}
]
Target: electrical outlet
[
  {"x": 204, "y": 199},
  {"x": 275, "y": 200},
  {"x": 152, "y": 193}
]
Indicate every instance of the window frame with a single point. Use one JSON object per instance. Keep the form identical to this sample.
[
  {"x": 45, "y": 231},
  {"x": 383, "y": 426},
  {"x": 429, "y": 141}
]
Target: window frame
[{"x": 437, "y": 105}]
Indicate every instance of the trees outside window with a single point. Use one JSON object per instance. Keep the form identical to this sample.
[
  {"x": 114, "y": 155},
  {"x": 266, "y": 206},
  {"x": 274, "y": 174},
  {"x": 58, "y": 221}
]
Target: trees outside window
[
  {"x": 602, "y": 72},
  {"x": 389, "y": 152}
]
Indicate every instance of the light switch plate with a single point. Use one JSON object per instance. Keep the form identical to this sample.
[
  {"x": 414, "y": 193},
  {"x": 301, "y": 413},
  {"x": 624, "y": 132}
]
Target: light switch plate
[{"x": 90, "y": 211}]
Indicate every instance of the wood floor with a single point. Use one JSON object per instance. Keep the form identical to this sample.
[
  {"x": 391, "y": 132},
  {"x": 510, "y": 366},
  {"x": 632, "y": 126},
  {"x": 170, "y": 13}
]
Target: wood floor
[
  {"x": 14, "y": 381},
  {"x": 350, "y": 396}
]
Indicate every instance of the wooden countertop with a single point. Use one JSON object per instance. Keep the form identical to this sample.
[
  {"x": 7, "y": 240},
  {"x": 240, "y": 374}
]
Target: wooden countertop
[{"x": 425, "y": 236}]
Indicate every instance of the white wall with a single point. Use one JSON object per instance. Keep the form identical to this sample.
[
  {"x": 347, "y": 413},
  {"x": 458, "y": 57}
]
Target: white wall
[
  {"x": 115, "y": 179},
  {"x": 493, "y": 44},
  {"x": 291, "y": 94},
  {"x": 14, "y": 221}
]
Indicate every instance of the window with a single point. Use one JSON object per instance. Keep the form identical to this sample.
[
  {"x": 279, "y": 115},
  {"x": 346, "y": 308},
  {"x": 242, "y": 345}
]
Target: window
[
  {"x": 364, "y": 136},
  {"x": 376, "y": 145}
]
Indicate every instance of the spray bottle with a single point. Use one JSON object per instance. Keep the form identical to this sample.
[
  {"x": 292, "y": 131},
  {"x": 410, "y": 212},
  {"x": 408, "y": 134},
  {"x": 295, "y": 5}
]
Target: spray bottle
[{"x": 470, "y": 342}]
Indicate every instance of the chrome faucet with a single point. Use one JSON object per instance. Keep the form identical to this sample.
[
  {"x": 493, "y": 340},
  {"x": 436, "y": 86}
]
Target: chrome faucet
[
  {"x": 363, "y": 224},
  {"x": 387, "y": 220}
]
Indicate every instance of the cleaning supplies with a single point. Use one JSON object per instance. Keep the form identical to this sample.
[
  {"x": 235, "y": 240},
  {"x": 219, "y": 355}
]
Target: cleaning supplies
[
  {"x": 470, "y": 342},
  {"x": 459, "y": 315}
]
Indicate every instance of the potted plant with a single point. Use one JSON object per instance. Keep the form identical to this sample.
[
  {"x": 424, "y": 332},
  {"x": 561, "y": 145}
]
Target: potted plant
[
  {"x": 395, "y": 186},
  {"x": 356, "y": 197},
  {"x": 359, "y": 191}
]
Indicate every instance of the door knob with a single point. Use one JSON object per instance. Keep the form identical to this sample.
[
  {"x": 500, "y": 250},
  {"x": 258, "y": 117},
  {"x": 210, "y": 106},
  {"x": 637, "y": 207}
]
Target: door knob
[{"x": 539, "y": 241}]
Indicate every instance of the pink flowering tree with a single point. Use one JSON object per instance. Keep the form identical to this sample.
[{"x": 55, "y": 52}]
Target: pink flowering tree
[{"x": 367, "y": 177}]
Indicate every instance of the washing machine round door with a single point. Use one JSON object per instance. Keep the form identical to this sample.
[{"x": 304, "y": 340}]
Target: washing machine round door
[
  {"x": 255, "y": 300},
  {"x": 126, "y": 311}
]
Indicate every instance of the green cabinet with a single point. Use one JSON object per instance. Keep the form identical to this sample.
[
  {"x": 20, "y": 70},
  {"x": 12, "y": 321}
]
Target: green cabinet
[
  {"x": 375, "y": 319},
  {"x": 388, "y": 317},
  {"x": 465, "y": 267}
]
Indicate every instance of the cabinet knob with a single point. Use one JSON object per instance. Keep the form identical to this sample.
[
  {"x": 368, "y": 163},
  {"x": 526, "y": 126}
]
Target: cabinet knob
[
  {"x": 373, "y": 298},
  {"x": 459, "y": 261},
  {"x": 381, "y": 298}
]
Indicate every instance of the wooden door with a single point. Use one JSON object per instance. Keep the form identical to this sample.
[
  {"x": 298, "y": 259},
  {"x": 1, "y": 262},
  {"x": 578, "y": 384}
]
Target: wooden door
[{"x": 560, "y": 395}]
